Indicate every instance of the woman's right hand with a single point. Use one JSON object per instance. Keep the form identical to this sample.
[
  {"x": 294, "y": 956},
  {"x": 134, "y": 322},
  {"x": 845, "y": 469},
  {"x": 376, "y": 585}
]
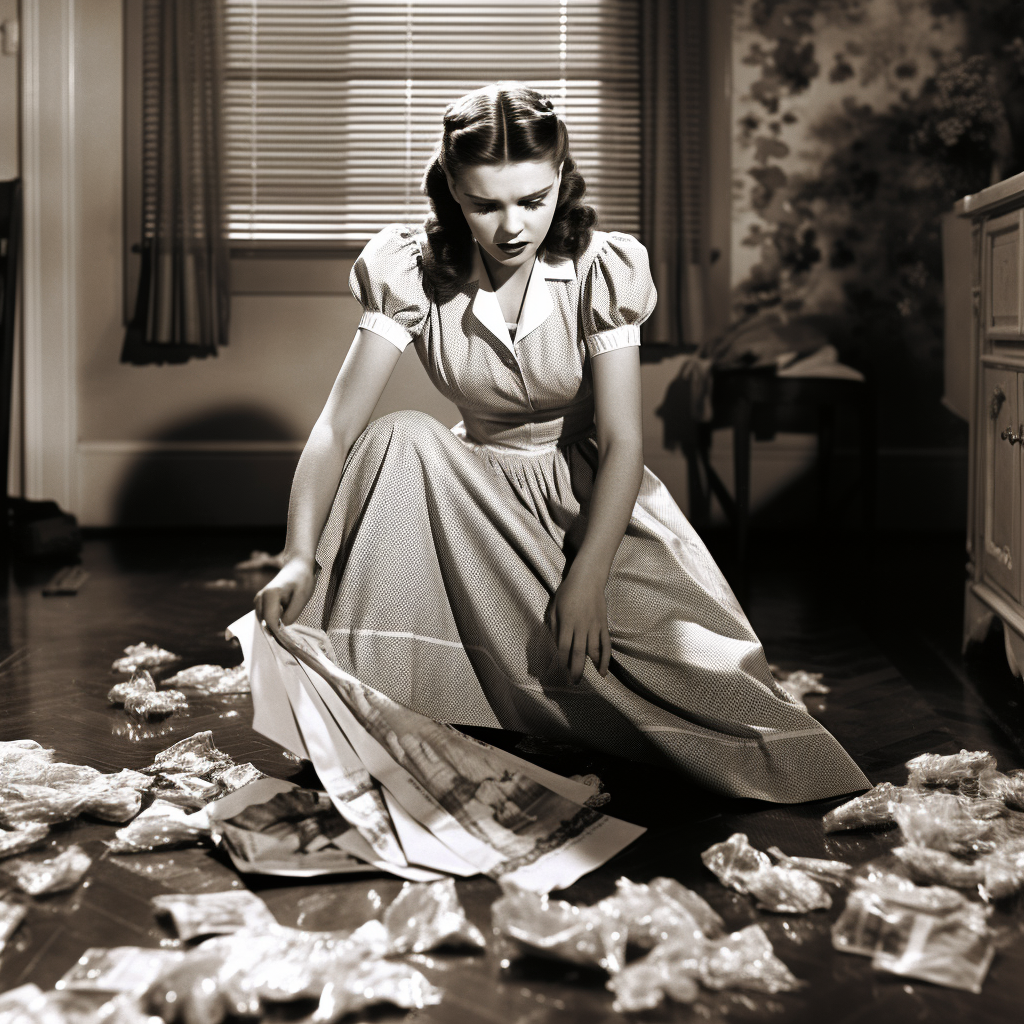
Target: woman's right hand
[{"x": 284, "y": 597}]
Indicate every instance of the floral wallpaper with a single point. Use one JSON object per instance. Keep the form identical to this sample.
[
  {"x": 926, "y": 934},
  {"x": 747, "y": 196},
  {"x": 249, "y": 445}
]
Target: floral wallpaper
[{"x": 857, "y": 124}]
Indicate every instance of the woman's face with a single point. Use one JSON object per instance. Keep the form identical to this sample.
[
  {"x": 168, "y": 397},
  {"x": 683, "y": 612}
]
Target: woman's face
[{"x": 509, "y": 207}]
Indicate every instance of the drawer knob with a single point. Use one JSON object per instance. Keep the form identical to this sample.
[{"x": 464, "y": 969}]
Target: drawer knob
[{"x": 1009, "y": 435}]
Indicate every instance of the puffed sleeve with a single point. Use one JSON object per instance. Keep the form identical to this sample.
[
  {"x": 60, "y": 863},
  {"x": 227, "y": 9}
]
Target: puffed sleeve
[
  {"x": 618, "y": 294},
  {"x": 386, "y": 280}
]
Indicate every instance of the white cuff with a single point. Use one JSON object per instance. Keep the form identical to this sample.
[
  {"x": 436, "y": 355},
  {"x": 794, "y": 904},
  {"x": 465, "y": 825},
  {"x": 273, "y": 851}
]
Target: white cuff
[
  {"x": 387, "y": 328},
  {"x": 620, "y": 337}
]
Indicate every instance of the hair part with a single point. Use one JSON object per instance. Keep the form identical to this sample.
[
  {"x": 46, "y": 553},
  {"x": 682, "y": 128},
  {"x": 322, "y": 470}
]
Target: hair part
[{"x": 498, "y": 124}]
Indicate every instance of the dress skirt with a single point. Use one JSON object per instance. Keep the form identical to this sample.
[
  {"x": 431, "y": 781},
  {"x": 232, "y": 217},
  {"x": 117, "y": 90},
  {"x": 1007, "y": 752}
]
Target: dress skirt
[{"x": 438, "y": 563}]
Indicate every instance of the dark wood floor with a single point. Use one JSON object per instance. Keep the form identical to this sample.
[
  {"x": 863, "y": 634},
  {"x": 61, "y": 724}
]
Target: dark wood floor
[{"x": 882, "y": 625}]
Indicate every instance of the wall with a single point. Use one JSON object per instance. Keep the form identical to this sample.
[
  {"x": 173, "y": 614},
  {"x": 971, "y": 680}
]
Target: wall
[
  {"x": 215, "y": 441},
  {"x": 857, "y": 123}
]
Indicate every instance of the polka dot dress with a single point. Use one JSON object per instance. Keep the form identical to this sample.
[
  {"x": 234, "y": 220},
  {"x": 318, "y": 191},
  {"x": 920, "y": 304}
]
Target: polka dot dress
[{"x": 444, "y": 548}]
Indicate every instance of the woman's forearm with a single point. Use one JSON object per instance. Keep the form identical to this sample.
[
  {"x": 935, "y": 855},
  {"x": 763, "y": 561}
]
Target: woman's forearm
[
  {"x": 314, "y": 486},
  {"x": 616, "y": 486}
]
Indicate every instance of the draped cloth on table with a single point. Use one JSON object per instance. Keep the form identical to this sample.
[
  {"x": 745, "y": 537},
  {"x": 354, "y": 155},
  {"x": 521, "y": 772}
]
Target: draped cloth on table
[{"x": 183, "y": 300}]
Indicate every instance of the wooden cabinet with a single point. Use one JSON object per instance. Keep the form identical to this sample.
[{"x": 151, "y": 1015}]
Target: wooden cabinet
[{"x": 984, "y": 258}]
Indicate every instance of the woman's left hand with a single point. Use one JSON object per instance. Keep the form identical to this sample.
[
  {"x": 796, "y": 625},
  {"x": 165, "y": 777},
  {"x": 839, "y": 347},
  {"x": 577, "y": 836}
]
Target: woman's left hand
[{"x": 578, "y": 618}]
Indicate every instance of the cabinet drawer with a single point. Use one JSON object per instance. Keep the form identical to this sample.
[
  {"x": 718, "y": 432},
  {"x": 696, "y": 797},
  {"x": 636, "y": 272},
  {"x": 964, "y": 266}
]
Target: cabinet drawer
[
  {"x": 1002, "y": 474},
  {"x": 1003, "y": 291}
]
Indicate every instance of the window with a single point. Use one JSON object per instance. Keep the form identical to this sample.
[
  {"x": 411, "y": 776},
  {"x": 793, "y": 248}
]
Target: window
[{"x": 333, "y": 107}]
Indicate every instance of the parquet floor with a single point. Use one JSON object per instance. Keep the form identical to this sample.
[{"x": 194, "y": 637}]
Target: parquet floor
[{"x": 898, "y": 688}]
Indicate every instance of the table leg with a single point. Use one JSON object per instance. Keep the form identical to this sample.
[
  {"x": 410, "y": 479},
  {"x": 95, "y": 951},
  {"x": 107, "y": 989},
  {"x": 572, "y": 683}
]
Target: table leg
[{"x": 826, "y": 452}]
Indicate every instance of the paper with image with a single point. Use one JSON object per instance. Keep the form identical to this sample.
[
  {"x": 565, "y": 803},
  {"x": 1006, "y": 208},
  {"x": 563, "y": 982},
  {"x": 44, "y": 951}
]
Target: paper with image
[{"x": 461, "y": 805}]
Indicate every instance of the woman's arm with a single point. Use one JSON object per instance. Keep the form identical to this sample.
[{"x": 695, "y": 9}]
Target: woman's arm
[
  {"x": 359, "y": 385},
  {"x": 578, "y": 615}
]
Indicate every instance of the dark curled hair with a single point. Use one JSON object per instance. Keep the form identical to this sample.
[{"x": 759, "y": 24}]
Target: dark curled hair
[{"x": 495, "y": 125}]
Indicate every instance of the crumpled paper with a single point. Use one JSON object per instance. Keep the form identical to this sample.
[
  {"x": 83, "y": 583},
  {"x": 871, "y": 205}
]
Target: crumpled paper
[
  {"x": 50, "y": 874},
  {"x": 140, "y": 682},
  {"x": 161, "y": 824},
  {"x": 143, "y": 655},
  {"x": 211, "y": 679},
  {"x": 428, "y": 915},
  {"x": 871, "y": 809},
  {"x": 239, "y": 974},
  {"x": 782, "y": 890},
  {"x": 214, "y": 913}
]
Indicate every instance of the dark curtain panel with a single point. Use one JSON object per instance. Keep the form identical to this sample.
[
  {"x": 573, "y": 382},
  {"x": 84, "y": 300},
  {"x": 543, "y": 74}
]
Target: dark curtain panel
[
  {"x": 182, "y": 307},
  {"x": 674, "y": 144}
]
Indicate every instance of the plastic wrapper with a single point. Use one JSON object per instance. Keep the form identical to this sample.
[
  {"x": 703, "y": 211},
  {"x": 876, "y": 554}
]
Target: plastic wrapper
[
  {"x": 29, "y": 1005},
  {"x": 261, "y": 560},
  {"x": 155, "y": 705},
  {"x": 238, "y": 975},
  {"x": 799, "y": 683},
  {"x": 143, "y": 655},
  {"x": 11, "y": 916},
  {"x": 593, "y": 936},
  {"x": 939, "y": 867},
  {"x": 778, "y": 889},
  {"x": 140, "y": 682},
  {"x": 428, "y": 915},
  {"x": 1003, "y": 874},
  {"x": 16, "y": 751},
  {"x": 873, "y": 809},
  {"x": 1007, "y": 788},
  {"x": 663, "y": 910},
  {"x": 194, "y": 755},
  {"x": 951, "y": 770},
  {"x": 21, "y": 838},
  {"x": 189, "y": 791},
  {"x": 745, "y": 960},
  {"x": 878, "y": 906},
  {"x": 953, "y": 949},
  {"x": 161, "y": 824},
  {"x": 834, "y": 871},
  {"x": 50, "y": 874},
  {"x": 943, "y": 821},
  {"x": 211, "y": 679},
  {"x": 235, "y": 777},
  {"x": 119, "y": 969},
  {"x": 214, "y": 913},
  {"x": 22, "y": 803},
  {"x": 667, "y": 971}
]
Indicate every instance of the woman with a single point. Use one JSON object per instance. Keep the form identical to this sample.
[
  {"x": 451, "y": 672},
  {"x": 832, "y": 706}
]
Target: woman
[{"x": 524, "y": 570}]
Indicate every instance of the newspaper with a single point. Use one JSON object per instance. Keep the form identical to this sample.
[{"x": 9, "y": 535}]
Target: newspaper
[{"x": 416, "y": 793}]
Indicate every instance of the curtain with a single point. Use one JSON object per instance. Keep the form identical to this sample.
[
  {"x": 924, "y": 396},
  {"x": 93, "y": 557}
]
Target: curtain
[
  {"x": 182, "y": 306},
  {"x": 674, "y": 144}
]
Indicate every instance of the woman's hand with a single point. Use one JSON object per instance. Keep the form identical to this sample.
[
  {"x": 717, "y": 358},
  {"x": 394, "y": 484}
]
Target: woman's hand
[
  {"x": 578, "y": 617},
  {"x": 281, "y": 600}
]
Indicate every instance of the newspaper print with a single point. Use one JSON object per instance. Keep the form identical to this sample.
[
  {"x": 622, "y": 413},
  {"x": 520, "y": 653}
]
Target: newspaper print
[{"x": 476, "y": 800}]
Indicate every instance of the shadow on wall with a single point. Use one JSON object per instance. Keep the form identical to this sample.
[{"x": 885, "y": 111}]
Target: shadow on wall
[{"x": 230, "y": 467}]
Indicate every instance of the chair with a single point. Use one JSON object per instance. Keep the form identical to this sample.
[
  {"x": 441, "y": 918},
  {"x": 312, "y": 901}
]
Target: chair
[{"x": 759, "y": 402}]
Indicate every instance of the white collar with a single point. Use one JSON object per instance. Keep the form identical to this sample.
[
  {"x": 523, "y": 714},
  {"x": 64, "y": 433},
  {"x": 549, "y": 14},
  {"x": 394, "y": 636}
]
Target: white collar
[{"x": 537, "y": 302}]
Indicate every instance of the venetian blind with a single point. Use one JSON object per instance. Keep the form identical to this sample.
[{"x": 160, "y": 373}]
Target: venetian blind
[{"x": 333, "y": 107}]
